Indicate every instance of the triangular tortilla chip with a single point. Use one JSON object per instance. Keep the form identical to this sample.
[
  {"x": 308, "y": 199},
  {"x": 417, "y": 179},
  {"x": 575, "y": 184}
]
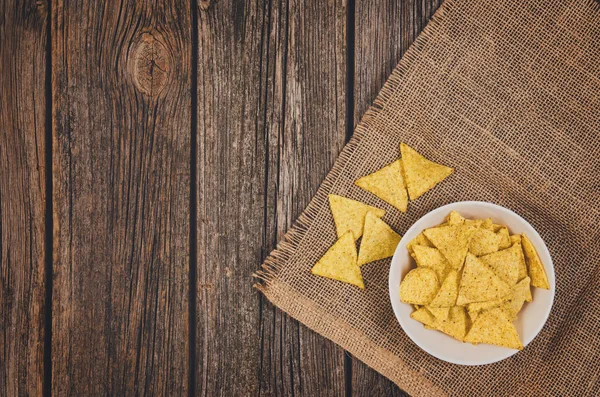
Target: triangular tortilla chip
[
  {"x": 521, "y": 293},
  {"x": 419, "y": 286},
  {"x": 349, "y": 215},
  {"x": 387, "y": 184},
  {"x": 488, "y": 224},
  {"x": 339, "y": 262},
  {"x": 483, "y": 242},
  {"x": 505, "y": 241},
  {"x": 454, "y": 218},
  {"x": 424, "y": 316},
  {"x": 448, "y": 292},
  {"x": 475, "y": 308},
  {"x": 452, "y": 241},
  {"x": 456, "y": 324},
  {"x": 433, "y": 259},
  {"x": 522, "y": 264},
  {"x": 479, "y": 283},
  {"x": 505, "y": 263},
  {"x": 494, "y": 328},
  {"x": 379, "y": 240},
  {"x": 421, "y": 174},
  {"x": 440, "y": 313},
  {"x": 534, "y": 264}
]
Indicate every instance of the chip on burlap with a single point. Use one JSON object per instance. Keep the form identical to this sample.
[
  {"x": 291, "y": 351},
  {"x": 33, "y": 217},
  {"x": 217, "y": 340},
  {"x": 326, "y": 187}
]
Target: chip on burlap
[{"x": 506, "y": 93}]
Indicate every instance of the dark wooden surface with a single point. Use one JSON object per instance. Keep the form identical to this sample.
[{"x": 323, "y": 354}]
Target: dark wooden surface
[{"x": 183, "y": 139}]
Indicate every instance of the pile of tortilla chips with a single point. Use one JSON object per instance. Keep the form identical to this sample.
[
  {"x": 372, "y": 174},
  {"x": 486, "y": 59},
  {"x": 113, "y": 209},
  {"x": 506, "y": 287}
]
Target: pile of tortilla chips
[
  {"x": 472, "y": 279},
  {"x": 410, "y": 176}
]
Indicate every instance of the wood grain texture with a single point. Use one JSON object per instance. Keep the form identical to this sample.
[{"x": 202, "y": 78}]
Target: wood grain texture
[
  {"x": 22, "y": 196},
  {"x": 121, "y": 83},
  {"x": 384, "y": 30},
  {"x": 271, "y": 111}
]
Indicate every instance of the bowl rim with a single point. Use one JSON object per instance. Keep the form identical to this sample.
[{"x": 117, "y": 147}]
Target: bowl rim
[{"x": 548, "y": 267}]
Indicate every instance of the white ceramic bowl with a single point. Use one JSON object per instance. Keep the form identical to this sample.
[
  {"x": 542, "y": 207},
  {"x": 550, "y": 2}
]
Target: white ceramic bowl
[{"x": 530, "y": 319}]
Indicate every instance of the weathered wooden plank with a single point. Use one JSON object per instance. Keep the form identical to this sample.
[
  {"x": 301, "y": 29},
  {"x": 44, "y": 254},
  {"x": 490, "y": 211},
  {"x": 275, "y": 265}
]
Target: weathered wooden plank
[
  {"x": 23, "y": 41},
  {"x": 271, "y": 110},
  {"x": 384, "y": 30},
  {"x": 121, "y": 133}
]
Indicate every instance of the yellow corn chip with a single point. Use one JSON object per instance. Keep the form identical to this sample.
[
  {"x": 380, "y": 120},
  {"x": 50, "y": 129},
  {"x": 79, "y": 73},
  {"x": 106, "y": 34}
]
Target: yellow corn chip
[
  {"x": 475, "y": 308},
  {"x": 456, "y": 324},
  {"x": 419, "y": 240},
  {"x": 475, "y": 223},
  {"x": 493, "y": 327},
  {"x": 534, "y": 264},
  {"x": 505, "y": 263},
  {"x": 505, "y": 241},
  {"x": 340, "y": 262},
  {"x": 452, "y": 241},
  {"x": 387, "y": 184},
  {"x": 349, "y": 215},
  {"x": 483, "y": 242},
  {"x": 379, "y": 240},
  {"x": 433, "y": 259},
  {"x": 419, "y": 286},
  {"x": 522, "y": 264},
  {"x": 424, "y": 316},
  {"x": 421, "y": 174},
  {"x": 521, "y": 293},
  {"x": 515, "y": 238},
  {"x": 440, "y": 313},
  {"x": 479, "y": 283},
  {"x": 446, "y": 296},
  {"x": 417, "y": 307},
  {"x": 488, "y": 224},
  {"x": 454, "y": 218}
]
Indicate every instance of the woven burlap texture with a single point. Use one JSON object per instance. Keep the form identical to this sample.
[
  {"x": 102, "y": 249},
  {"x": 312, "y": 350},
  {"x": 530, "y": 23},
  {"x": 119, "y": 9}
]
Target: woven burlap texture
[{"x": 508, "y": 93}]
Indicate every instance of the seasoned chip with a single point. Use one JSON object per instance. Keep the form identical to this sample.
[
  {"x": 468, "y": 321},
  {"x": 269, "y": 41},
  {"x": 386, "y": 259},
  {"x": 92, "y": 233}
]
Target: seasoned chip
[
  {"x": 488, "y": 224},
  {"x": 421, "y": 174},
  {"x": 475, "y": 308},
  {"x": 520, "y": 294},
  {"x": 419, "y": 240},
  {"x": 456, "y": 324},
  {"x": 424, "y": 316},
  {"x": 419, "y": 286},
  {"x": 379, "y": 240},
  {"x": 446, "y": 296},
  {"x": 484, "y": 241},
  {"x": 505, "y": 263},
  {"x": 452, "y": 241},
  {"x": 493, "y": 327},
  {"x": 440, "y": 313},
  {"x": 522, "y": 264},
  {"x": 475, "y": 223},
  {"x": 454, "y": 218},
  {"x": 340, "y": 262},
  {"x": 387, "y": 184},
  {"x": 479, "y": 283},
  {"x": 433, "y": 259},
  {"x": 349, "y": 215},
  {"x": 505, "y": 241},
  {"x": 534, "y": 264}
]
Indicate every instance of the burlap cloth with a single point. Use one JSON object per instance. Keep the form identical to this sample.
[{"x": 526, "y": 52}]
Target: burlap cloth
[{"x": 508, "y": 93}]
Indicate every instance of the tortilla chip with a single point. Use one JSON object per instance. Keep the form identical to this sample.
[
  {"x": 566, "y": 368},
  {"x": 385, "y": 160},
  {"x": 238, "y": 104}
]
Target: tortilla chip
[
  {"x": 387, "y": 184},
  {"x": 446, "y": 295},
  {"x": 452, "y": 241},
  {"x": 421, "y": 174},
  {"x": 454, "y": 218},
  {"x": 521, "y": 293},
  {"x": 419, "y": 240},
  {"x": 340, "y": 262},
  {"x": 475, "y": 308},
  {"x": 349, "y": 215},
  {"x": 440, "y": 313},
  {"x": 424, "y": 316},
  {"x": 479, "y": 283},
  {"x": 488, "y": 224},
  {"x": 494, "y": 328},
  {"x": 505, "y": 263},
  {"x": 483, "y": 242},
  {"x": 505, "y": 241},
  {"x": 475, "y": 223},
  {"x": 456, "y": 324},
  {"x": 534, "y": 264},
  {"x": 379, "y": 240},
  {"x": 419, "y": 286},
  {"x": 433, "y": 259}
]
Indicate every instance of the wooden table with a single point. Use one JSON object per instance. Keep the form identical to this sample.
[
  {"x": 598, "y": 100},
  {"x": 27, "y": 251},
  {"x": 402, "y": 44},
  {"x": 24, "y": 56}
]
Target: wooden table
[{"x": 152, "y": 153}]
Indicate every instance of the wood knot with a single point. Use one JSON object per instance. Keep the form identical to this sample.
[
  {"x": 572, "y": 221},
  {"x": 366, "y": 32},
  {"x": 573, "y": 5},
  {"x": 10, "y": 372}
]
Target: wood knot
[{"x": 150, "y": 64}]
